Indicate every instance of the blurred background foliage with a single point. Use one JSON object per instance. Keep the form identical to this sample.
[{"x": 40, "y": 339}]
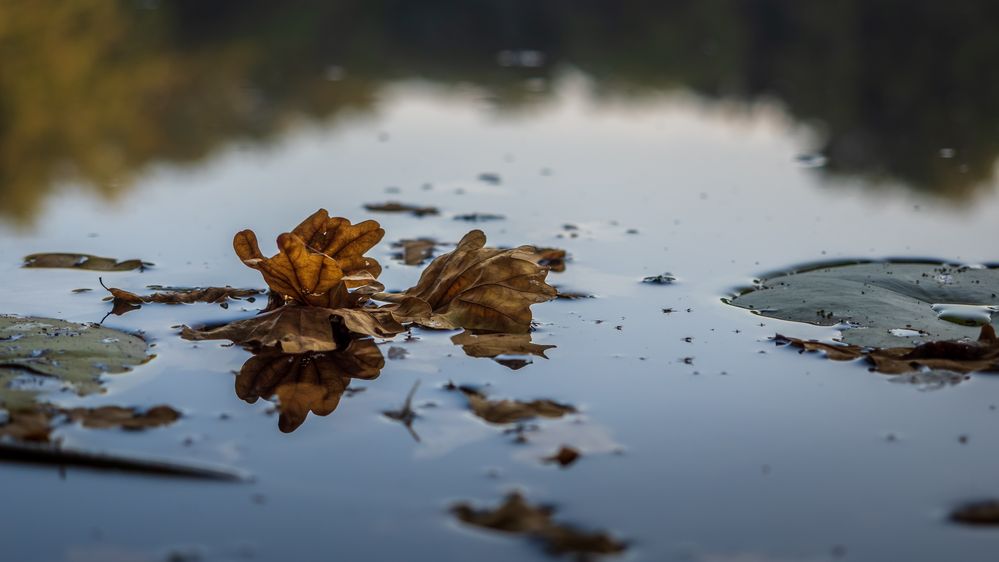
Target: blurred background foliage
[{"x": 94, "y": 91}]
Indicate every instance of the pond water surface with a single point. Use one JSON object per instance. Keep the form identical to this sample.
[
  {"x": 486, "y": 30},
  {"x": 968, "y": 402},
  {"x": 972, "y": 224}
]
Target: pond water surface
[{"x": 701, "y": 440}]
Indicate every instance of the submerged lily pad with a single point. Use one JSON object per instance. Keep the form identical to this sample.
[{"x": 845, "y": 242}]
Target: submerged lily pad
[
  {"x": 882, "y": 304},
  {"x": 77, "y": 354},
  {"x": 82, "y": 261}
]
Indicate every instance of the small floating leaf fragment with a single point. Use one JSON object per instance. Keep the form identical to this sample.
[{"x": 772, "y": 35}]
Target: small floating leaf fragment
[
  {"x": 490, "y": 178},
  {"x": 478, "y": 217},
  {"x": 82, "y": 261},
  {"x": 397, "y": 207},
  {"x": 552, "y": 258},
  {"x": 810, "y": 160},
  {"x": 415, "y": 251},
  {"x": 516, "y": 516},
  {"x": 980, "y": 513},
  {"x": 565, "y": 456},
  {"x": 661, "y": 279},
  {"x": 511, "y": 411}
]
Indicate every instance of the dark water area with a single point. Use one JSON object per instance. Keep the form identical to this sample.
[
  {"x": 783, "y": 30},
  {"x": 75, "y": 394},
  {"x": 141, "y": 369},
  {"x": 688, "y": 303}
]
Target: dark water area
[{"x": 718, "y": 142}]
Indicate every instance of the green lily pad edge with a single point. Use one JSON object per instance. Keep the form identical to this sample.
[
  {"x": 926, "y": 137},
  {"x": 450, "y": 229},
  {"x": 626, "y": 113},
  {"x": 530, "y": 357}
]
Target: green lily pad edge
[
  {"x": 882, "y": 304},
  {"x": 33, "y": 349}
]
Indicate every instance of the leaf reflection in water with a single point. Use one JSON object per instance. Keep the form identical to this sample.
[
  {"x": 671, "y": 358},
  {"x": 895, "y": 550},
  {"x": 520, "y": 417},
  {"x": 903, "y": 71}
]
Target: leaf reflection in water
[{"x": 309, "y": 382}]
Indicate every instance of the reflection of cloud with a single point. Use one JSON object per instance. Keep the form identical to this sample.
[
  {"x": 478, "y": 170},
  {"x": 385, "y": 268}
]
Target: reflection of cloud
[{"x": 310, "y": 382}]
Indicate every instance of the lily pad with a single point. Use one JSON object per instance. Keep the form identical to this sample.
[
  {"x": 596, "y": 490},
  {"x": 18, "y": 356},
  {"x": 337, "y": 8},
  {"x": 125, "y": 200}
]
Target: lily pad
[
  {"x": 76, "y": 354},
  {"x": 82, "y": 261},
  {"x": 882, "y": 304}
]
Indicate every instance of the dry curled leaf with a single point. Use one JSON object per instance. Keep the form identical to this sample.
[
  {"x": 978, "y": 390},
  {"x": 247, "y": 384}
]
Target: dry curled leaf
[
  {"x": 397, "y": 207},
  {"x": 310, "y": 382},
  {"x": 516, "y": 516},
  {"x": 301, "y": 329},
  {"x": 337, "y": 238},
  {"x": 181, "y": 295},
  {"x": 956, "y": 356},
  {"x": 479, "y": 288},
  {"x": 291, "y": 329},
  {"x": 510, "y": 411},
  {"x": 318, "y": 261},
  {"x": 82, "y": 261}
]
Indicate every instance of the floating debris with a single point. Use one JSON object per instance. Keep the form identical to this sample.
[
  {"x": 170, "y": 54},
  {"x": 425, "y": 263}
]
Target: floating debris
[
  {"x": 397, "y": 207},
  {"x": 518, "y": 517},
  {"x": 83, "y": 261},
  {"x": 661, "y": 279}
]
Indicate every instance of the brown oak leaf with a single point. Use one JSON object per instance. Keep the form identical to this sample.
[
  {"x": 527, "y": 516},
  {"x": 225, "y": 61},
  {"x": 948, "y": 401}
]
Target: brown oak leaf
[
  {"x": 479, "y": 288},
  {"x": 318, "y": 261}
]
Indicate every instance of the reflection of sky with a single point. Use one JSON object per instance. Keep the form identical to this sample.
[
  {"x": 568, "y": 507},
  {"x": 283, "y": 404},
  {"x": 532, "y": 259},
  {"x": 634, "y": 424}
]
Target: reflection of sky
[{"x": 715, "y": 199}]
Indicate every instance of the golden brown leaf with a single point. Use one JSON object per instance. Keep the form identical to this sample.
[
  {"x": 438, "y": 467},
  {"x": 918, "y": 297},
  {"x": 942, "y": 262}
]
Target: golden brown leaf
[
  {"x": 516, "y": 516},
  {"x": 318, "y": 261},
  {"x": 480, "y": 288},
  {"x": 956, "y": 356},
  {"x": 342, "y": 241},
  {"x": 295, "y": 272},
  {"x": 312, "y": 382}
]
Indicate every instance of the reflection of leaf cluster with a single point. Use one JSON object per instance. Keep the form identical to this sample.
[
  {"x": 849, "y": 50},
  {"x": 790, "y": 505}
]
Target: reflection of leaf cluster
[{"x": 308, "y": 382}]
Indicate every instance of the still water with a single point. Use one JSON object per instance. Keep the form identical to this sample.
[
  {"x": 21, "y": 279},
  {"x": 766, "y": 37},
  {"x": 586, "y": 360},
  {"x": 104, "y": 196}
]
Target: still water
[
  {"x": 714, "y": 141},
  {"x": 741, "y": 452}
]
